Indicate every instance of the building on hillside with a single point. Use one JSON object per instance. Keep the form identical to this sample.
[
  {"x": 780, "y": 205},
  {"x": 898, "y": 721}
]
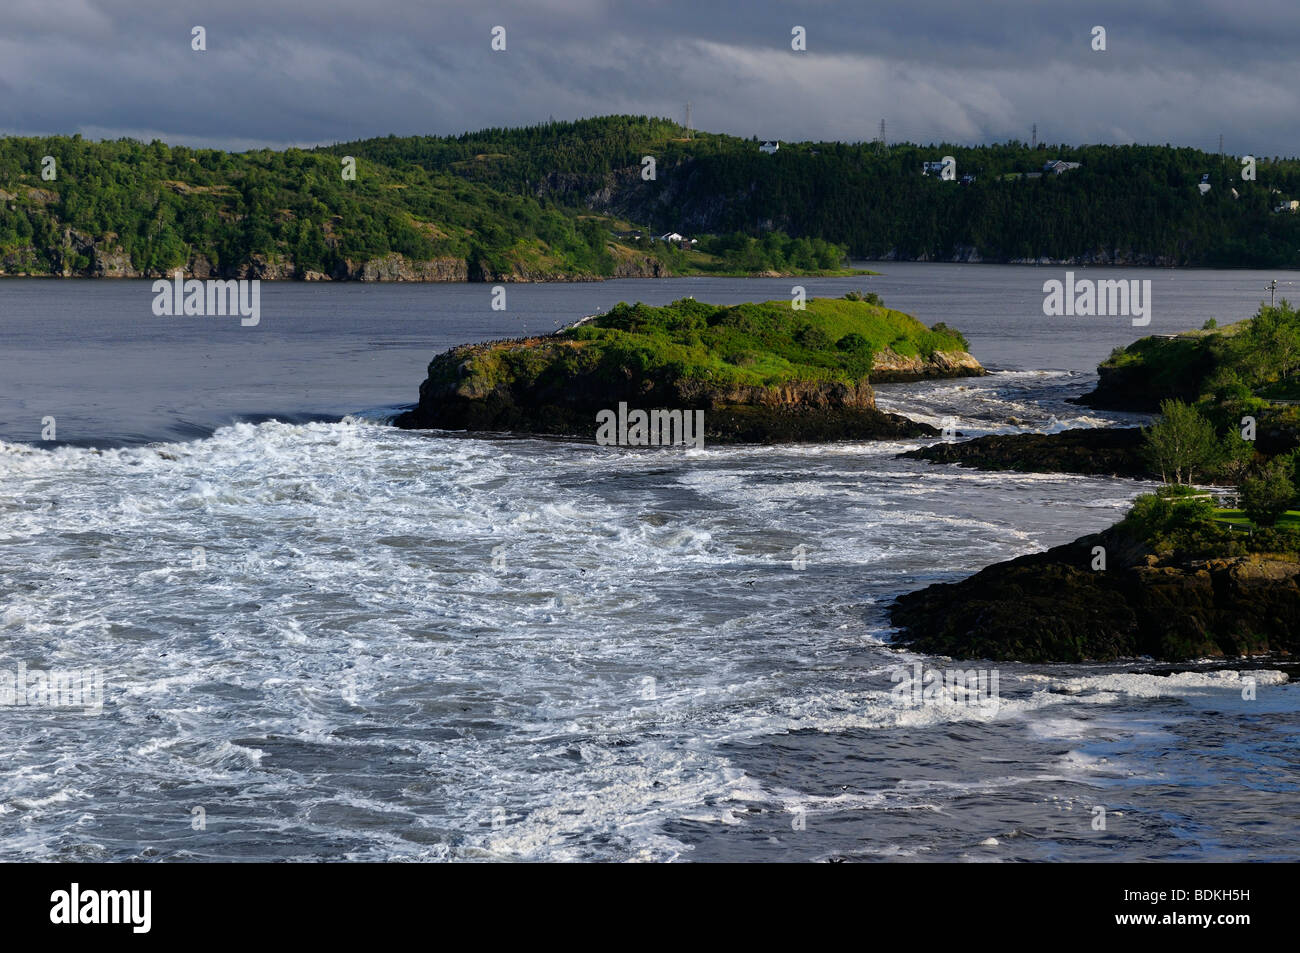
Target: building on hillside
[
  {"x": 1060, "y": 165},
  {"x": 769, "y": 147}
]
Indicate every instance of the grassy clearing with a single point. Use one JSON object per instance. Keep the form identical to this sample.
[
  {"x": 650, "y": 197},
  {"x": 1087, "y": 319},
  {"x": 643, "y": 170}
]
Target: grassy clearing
[
  {"x": 1289, "y": 520},
  {"x": 763, "y": 344}
]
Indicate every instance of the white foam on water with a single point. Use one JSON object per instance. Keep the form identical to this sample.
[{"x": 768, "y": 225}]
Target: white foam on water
[
  {"x": 365, "y": 641},
  {"x": 1178, "y": 684}
]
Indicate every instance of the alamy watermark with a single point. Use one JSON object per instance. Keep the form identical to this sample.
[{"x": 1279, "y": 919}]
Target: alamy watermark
[
  {"x": 58, "y": 688},
  {"x": 1115, "y": 297},
  {"x": 652, "y": 428},
  {"x": 211, "y": 297},
  {"x": 970, "y": 688},
  {"x": 128, "y": 907}
]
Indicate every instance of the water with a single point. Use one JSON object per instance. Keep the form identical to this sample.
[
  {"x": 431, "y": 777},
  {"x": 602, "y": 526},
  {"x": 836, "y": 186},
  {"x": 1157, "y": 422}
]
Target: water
[
  {"x": 393, "y": 645},
  {"x": 93, "y": 356}
]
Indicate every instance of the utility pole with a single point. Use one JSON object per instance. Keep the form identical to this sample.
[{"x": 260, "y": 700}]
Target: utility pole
[
  {"x": 1033, "y": 143},
  {"x": 880, "y": 142},
  {"x": 688, "y": 120},
  {"x": 1272, "y": 287}
]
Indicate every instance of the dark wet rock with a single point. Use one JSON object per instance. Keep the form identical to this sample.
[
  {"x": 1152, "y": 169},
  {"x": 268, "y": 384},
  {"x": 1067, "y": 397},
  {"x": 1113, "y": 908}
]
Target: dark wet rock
[
  {"x": 454, "y": 397},
  {"x": 1100, "y": 451},
  {"x": 1054, "y": 607}
]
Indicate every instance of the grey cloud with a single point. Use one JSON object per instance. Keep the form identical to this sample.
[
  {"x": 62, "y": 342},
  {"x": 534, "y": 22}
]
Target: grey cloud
[{"x": 300, "y": 72}]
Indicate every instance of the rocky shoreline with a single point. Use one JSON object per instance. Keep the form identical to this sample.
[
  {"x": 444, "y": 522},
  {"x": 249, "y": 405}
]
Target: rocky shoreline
[
  {"x": 1054, "y": 607},
  {"x": 453, "y": 397},
  {"x": 1093, "y": 451},
  {"x": 107, "y": 261},
  {"x": 1109, "y": 595},
  {"x": 971, "y": 255},
  {"x": 757, "y": 373}
]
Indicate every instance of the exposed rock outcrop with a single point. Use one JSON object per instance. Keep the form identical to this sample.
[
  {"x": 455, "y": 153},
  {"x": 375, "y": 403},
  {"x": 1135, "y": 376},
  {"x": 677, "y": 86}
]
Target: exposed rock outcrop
[
  {"x": 1102, "y": 451},
  {"x": 457, "y": 395},
  {"x": 1140, "y": 386},
  {"x": 888, "y": 367},
  {"x": 1054, "y": 607},
  {"x": 760, "y": 372},
  {"x": 395, "y": 267}
]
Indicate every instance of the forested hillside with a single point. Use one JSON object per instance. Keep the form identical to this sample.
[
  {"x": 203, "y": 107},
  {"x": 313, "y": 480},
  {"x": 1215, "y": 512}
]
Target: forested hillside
[
  {"x": 124, "y": 207},
  {"x": 570, "y": 200},
  {"x": 1134, "y": 203}
]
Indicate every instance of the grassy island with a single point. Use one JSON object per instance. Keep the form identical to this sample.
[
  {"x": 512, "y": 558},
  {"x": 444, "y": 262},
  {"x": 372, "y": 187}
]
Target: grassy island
[{"x": 764, "y": 371}]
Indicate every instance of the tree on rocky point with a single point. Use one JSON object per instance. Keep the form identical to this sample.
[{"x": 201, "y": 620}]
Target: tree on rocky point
[{"x": 1180, "y": 442}]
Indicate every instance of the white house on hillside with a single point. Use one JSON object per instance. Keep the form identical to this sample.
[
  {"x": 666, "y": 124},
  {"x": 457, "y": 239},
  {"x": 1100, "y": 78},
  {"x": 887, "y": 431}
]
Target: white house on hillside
[
  {"x": 769, "y": 147},
  {"x": 1060, "y": 165}
]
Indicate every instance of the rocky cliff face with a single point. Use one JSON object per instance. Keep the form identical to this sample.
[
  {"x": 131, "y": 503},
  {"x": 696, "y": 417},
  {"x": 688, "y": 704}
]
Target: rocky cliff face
[
  {"x": 394, "y": 267},
  {"x": 1054, "y": 607},
  {"x": 888, "y": 367},
  {"x": 107, "y": 260},
  {"x": 683, "y": 197},
  {"x": 1130, "y": 388},
  {"x": 623, "y": 193},
  {"x": 639, "y": 266}
]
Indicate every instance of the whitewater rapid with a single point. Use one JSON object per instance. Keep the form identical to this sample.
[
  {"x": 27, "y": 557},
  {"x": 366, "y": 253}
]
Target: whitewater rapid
[{"x": 344, "y": 641}]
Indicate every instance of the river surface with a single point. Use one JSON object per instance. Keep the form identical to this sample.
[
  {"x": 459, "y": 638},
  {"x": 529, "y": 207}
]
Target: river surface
[{"x": 322, "y": 638}]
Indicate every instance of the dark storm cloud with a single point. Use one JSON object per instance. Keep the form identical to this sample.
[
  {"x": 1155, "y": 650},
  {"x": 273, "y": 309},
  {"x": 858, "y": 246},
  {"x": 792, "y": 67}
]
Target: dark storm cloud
[{"x": 281, "y": 73}]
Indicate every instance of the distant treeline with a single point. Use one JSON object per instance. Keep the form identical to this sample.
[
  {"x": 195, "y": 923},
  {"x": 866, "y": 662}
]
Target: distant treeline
[
  {"x": 161, "y": 206},
  {"x": 552, "y": 198},
  {"x": 1140, "y": 201}
]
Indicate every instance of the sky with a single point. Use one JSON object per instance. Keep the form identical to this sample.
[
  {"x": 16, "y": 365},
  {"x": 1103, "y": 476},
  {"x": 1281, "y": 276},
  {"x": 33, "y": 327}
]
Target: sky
[{"x": 279, "y": 73}]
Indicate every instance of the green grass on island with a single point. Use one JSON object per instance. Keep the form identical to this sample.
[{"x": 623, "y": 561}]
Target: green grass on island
[
  {"x": 764, "y": 344},
  {"x": 1290, "y": 520},
  {"x": 1218, "y": 422},
  {"x": 1180, "y": 521},
  {"x": 1238, "y": 368}
]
